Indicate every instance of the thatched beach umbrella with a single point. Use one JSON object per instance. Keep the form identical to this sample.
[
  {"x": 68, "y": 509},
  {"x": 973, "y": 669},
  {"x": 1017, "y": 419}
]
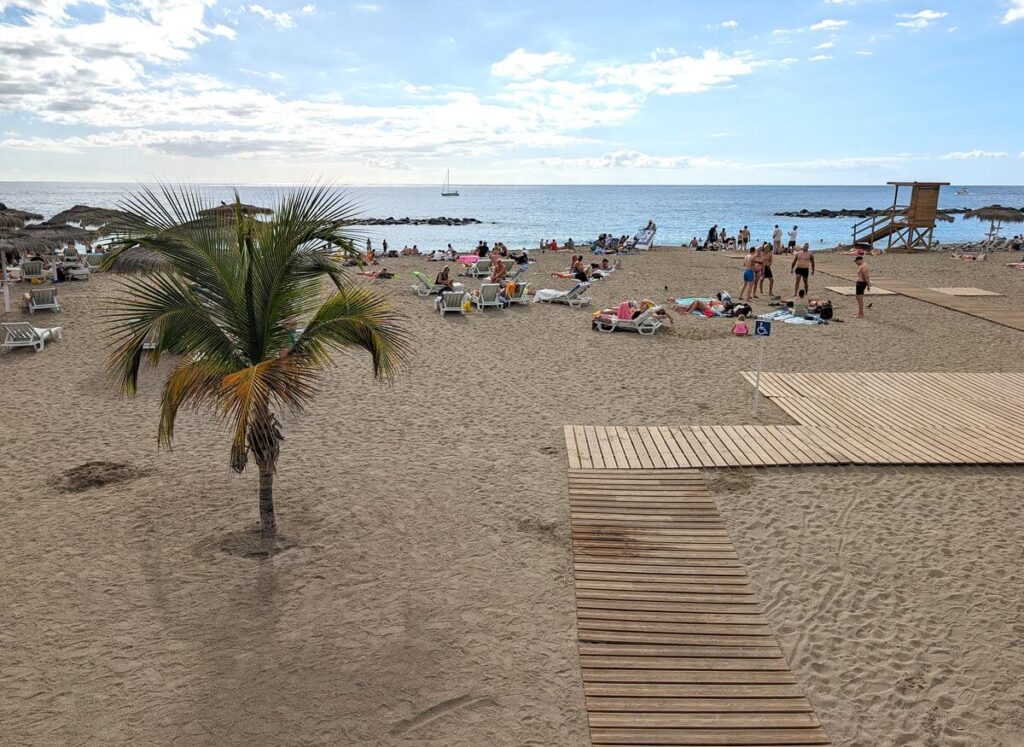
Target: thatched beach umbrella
[
  {"x": 85, "y": 216},
  {"x": 42, "y": 239},
  {"x": 227, "y": 210},
  {"x": 137, "y": 260},
  {"x": 997, "y": 215},
  {"x": 11, "y": 218}
]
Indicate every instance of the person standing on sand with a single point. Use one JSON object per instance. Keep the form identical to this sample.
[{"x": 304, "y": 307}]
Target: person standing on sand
[
  {"x": 803, "y": 268},
  {"x": 749, "y": 276},
  {"x": 712, "y": 236},
  {"x": 863, "y": 283},
  {"x": 792, "y": 240},
  {"x": 766, "y": 272},
  {"x": 777, "y": 239},
  {"x": 744, "y": 238},
  {"x": 383, "y": 246}
]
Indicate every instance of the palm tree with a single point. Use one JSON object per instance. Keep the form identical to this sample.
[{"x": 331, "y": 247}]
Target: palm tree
[{"x": 226, "y": 296}]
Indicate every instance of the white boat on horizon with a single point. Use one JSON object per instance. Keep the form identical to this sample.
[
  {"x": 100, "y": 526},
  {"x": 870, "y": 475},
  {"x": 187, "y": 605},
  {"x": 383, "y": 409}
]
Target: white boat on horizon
[{"x": 446, "y": 189}]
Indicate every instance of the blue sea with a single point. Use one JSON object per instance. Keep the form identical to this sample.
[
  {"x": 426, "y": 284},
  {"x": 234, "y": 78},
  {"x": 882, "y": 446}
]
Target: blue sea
[{"x": 522, "y": 216}]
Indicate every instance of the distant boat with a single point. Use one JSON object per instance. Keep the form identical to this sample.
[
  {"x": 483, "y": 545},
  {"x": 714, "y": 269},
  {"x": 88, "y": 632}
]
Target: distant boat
[
  {"x": 446, "y": 190},
  {"x": 962, "y": 191}
]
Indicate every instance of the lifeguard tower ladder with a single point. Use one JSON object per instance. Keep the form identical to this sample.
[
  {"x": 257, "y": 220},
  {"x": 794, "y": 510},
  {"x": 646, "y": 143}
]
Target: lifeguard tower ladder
[{"x": 905, "y": 227}]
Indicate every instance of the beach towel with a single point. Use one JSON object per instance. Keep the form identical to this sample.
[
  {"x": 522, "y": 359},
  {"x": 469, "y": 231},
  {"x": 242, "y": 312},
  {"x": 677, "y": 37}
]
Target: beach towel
[
  {"x": 625, "y": 311},
  {"x": 688, "y": 301},
  {"x": 789, "y": 317},
  {"x": 546, "y": 294}
]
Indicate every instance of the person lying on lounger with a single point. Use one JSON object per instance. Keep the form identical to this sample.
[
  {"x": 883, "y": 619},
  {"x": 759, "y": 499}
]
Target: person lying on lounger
[{"x": 382, "y": 274}]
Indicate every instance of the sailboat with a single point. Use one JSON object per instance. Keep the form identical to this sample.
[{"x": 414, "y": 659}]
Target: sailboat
[{"x": 446, "y": 190}]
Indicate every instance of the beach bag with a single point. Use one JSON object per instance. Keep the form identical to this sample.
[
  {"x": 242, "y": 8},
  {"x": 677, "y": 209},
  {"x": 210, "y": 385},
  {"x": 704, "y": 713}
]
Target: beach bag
[{"x": 825, "y": 312}]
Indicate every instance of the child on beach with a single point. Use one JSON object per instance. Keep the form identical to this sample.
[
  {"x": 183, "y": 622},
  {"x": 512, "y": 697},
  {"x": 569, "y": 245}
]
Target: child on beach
[{"x": 739, "y": 327}]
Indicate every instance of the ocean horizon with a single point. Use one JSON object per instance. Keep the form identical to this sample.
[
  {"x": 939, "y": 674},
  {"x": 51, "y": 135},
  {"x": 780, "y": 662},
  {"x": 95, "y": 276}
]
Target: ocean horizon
[{"x": 524, "y": 215}]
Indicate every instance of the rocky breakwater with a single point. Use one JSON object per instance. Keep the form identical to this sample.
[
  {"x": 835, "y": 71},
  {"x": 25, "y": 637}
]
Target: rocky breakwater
[
  {"x": 441, "y": 221},
  {"x": 848, "y": 213}
]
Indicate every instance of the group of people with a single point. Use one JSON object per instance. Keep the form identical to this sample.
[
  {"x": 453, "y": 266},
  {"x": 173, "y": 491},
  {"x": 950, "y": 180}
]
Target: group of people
[
  {"x": 757, "y": 269},
  {"x": 584, "y": 273},
  {"x": 718, "y": 239}
]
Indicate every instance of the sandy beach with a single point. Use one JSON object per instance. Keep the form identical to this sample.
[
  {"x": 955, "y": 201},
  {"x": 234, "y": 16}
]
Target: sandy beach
[{"x": 426, "y": 597}]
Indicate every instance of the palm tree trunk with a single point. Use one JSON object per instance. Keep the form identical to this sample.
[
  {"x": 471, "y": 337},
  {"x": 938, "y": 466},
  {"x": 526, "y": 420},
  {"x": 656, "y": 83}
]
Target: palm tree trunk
[{"x": 268, "y": 524}]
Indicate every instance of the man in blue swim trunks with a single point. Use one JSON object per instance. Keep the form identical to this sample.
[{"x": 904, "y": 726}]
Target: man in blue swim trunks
[{"x": 749, "y": 277}]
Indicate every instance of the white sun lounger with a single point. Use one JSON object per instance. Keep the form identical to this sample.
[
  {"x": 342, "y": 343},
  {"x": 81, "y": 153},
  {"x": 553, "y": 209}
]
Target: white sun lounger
[
  {"x": 423, "y": 285},
  {"x": 490, "y": 295},
  {"x": 32, "y": 270},
  {"x": 93, "y": 261},
  {"x": 521, "y": 295},
  {"x": 645, "y": 324},
  {"x": 479, "y": 269},
  {"x": 24, "y": 335},
  {"x": 451, "y": 301},
  {"x": 43, "y": 298},
  {"x": 573, "y": 297}
]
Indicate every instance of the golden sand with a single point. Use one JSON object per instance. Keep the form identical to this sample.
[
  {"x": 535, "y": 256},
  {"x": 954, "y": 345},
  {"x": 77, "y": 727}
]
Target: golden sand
[{"x": 426, "y": 596}]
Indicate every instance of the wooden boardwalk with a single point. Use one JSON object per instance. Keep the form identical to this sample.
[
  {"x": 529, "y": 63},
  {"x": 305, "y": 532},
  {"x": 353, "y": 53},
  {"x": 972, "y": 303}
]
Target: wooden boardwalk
[
  {"x": 674, "y": 645},
  {"x": 980, "y": 307},
  {"x": 849, "y": 418}
]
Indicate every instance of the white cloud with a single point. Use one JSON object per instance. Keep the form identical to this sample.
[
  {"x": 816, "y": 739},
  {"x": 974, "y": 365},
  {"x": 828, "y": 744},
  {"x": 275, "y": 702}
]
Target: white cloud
[
  {"x": 730, "y": 24},
  {"x": 829, "y": 24},
  {"x": 366, "y": 7},
  {"x": 1015, "y": 12},
  {"x": 270, "y": 75},
  {"x": 921, "y": 19},
  {"x": 632, "y": 159},
  {"x": 864, "y": 53},
  {"x": 683, "y": 74},
  {"x": 281, "y": 20},
  {"x": 307, "y": 8},
  {"x": 968, "y": 155},
  {"x": 628, "y": 159},
  {"x": 820, "y": 58},
  {"x": 826, "y": 45},
  {"x": 520, "y": 64}
]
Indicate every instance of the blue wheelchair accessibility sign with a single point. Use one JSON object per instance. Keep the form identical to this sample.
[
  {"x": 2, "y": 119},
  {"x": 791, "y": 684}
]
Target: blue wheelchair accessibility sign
[{"x": 762, "y": 328}]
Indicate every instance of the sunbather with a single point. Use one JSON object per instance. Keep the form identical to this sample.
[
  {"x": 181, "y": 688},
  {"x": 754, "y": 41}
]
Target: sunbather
[{"x": 498, "y": 271}]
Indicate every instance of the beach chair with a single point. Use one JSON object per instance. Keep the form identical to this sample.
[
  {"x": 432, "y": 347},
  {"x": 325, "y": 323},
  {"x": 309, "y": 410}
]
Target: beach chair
[
  {"x": 93, "y": 261},
  {"x": 573, "y": 297},
  {"x": 41, "y": 299},
  {"x": 520, "y": 296},
  {"x": 490, "y": 295},
  {"x": 423, "y": 286},
  {"x": 24, "y": 335},
  {"x": 78, "y": 273},
  {"x": 508, "y": 264},
  {"x": 71, "y": 254},
  {"x": 479, "y": 269},
  {"x": 645, "y": 324},
  {"x": 451, "y": 301},
  {"x": 32, "y": 271},
  {"x": 518, "y": 273}
]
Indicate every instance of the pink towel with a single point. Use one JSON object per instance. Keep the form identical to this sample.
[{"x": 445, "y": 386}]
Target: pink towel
[{"x": 625, "y": 311}]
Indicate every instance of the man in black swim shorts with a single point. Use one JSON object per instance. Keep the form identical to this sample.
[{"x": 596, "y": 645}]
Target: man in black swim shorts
[
  {"x": 803, "y": 268},
  {"x": 863, "y": 283}
]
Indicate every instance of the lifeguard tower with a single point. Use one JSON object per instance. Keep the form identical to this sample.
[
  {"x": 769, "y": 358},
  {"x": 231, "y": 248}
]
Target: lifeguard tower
[{"x": 904, "y": 227}]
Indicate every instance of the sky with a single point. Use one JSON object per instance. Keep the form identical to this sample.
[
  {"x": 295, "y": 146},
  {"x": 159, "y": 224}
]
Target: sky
[{"x": 523, "y": 92}]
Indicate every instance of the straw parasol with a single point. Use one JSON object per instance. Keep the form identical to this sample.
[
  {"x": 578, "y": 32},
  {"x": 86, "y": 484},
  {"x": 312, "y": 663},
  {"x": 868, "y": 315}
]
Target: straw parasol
[
  {"x": 136, "y": 260},
  {"x": 11, "y": 218},
  {"x": 227, "y": 210},
  {"x": 997, "y": 215},
  {"x": 85, "y": 216},
  {"x": 42, "y": 238}
]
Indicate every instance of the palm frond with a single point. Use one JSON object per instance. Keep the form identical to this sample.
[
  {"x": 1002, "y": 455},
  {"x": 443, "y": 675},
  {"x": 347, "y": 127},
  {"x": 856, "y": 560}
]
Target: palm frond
[{"x": 357, "y": 317}]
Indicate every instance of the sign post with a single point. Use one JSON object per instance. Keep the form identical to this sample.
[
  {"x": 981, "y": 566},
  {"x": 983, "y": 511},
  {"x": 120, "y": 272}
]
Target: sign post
[{"x": 762, "y": 330}]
